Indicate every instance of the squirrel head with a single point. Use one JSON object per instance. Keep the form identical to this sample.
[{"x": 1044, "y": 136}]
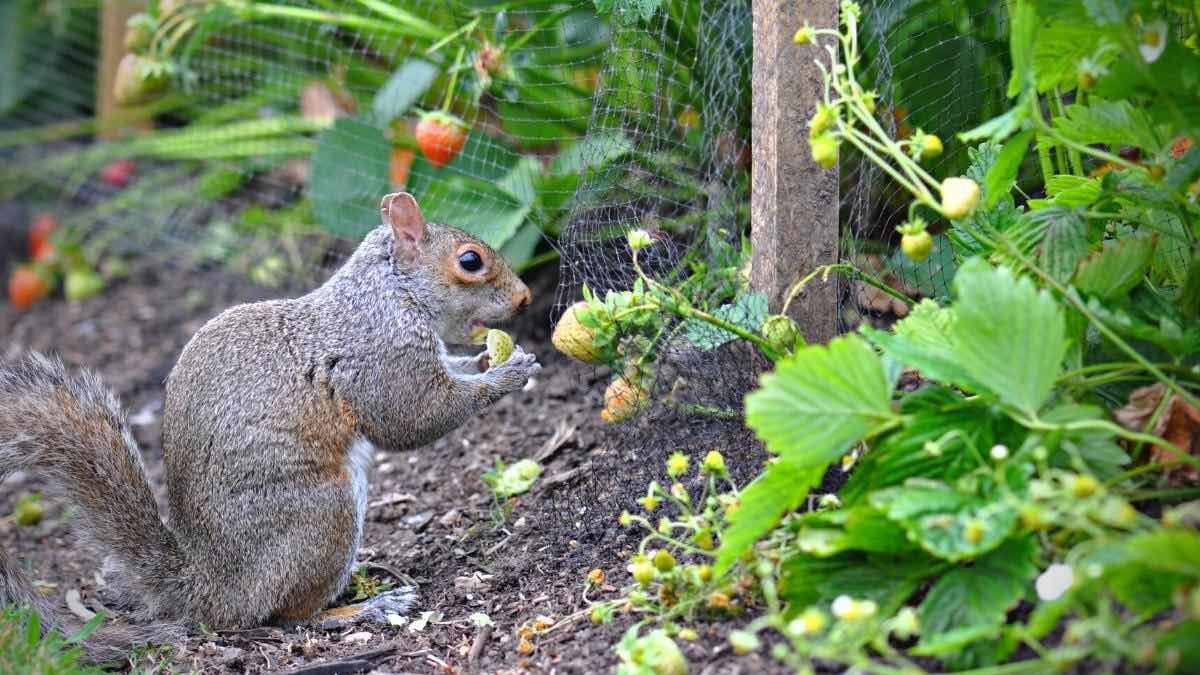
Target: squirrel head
[{"x": 474, "y": 284}]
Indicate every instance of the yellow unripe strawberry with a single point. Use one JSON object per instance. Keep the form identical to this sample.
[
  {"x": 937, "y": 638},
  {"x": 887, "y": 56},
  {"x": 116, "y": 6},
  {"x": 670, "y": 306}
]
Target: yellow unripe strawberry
[
  {"x": 664, "y": 561},
  {"x": 960, "y": 196},
  {"x": 573, "y": 338}
]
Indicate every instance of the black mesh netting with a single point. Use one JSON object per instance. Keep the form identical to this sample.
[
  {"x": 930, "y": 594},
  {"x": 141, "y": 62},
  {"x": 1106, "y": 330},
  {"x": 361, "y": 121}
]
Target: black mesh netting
[{"x": 285, "y": 121}]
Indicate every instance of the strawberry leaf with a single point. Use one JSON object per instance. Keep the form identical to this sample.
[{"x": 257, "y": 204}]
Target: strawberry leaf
[{"x": 1007, "y": 335}]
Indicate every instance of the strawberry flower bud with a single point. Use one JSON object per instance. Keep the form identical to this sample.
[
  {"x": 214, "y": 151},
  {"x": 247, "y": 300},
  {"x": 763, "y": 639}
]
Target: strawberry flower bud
[
  {"x": 714, "y": 463},
  {"x": 906, "y": 624},
  {"x": 849, "y": 609},
  {"x": 960, "y": 196},
  {"x": 677, "y": 465},
  {"x": 811, "y": 622},
  {"x": 642, "y": 571},
  {"x": 664, "y": 561}
]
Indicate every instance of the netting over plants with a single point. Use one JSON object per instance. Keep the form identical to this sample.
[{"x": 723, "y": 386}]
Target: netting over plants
[{"x": 260, "y": 135}]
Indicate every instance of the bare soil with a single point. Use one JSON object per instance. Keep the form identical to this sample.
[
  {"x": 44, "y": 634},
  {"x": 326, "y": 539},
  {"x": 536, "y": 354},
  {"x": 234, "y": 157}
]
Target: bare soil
[{"x": 431, "y": 518}]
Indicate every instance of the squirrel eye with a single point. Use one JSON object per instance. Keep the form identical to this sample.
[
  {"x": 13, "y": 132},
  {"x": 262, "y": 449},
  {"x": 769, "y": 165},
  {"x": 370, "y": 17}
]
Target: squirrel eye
[{"x": 470, "y": 261}]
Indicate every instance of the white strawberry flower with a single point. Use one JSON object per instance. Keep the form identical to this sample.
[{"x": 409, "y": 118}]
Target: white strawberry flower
[
  {"x": 1153, "y": 40},
  {"x": 1054, "y": 582}
]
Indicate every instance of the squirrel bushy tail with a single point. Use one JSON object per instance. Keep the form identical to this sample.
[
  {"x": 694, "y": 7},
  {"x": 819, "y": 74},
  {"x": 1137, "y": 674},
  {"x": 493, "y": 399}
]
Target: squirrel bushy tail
[{"x": 70, "y": 429}]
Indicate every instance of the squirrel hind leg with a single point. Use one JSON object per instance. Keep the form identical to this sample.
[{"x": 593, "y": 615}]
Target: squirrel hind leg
[{"x": 382, "y": 610}]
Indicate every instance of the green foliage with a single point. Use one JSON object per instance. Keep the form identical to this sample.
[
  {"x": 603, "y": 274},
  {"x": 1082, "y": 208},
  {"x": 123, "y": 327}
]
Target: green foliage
[
  {"x": 24, "y": 649},
  {"x": 349, "y": 175}
]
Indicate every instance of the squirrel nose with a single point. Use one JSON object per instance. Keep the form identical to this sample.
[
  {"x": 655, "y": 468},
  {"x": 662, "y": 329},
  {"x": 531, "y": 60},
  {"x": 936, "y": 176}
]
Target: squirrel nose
[{"x": 522, "y": 298}]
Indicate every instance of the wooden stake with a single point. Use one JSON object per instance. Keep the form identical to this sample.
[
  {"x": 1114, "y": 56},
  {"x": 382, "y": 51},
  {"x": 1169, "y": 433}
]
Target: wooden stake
[
  {"x": 113, "y": 15},
  {"x": 794, "y": 202}
]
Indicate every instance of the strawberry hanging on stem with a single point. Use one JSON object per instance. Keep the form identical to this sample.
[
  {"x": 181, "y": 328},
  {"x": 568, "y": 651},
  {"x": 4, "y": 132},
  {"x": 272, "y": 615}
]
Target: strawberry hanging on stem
[{"x": 440, "y": 134}]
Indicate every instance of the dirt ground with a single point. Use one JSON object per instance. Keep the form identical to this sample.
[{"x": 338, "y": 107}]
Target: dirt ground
[{"x": 431, "y": 516}]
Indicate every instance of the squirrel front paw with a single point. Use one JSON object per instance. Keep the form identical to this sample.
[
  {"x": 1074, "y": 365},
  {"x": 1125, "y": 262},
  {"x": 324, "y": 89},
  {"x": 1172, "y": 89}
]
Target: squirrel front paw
[{"x": 516, "y": 371}]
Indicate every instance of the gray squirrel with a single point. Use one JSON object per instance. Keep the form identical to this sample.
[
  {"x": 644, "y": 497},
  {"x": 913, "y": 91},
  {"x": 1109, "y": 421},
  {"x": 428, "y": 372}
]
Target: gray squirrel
[{"x": 272, "y": 416}]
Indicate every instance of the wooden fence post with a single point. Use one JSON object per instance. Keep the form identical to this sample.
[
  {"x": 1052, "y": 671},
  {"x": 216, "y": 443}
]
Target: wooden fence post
[
  {"x": 794, "y": 202},
  {"x": 113, "y": 15}
]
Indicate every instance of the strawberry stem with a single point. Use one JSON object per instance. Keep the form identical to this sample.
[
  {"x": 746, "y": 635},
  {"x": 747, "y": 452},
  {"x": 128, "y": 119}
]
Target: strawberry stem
[{"x": 453, "y": 79}]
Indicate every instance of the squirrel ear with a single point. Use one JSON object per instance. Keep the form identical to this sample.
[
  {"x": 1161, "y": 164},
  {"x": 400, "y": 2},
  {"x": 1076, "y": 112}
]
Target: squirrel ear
[{"x": 400, "y": 210}]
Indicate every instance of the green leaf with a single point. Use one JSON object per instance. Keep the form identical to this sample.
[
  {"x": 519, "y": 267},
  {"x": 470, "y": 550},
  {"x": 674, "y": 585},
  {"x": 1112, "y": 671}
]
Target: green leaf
[
  {"x": 405, "y": 87},
  {"x": 1111, "y": 273},
  {"x": 1022, "y": 35},
  {"x": 946, "y": 523},
  {"x": 592, "y": 152},
  {"x": 748, "y": 311},
  {"x": 903, "y": 454},
  {"x": 1000, "y": 127},
  {"x": 820, "y": 400},
  {"x": 922, "y": 341},
  {"x": 349, "y": 176},
  {"x": 780, "y": 489},
  {"x": 1003, "y": 174},
  {"x": 1061, "y": 45},
  {"x": 1073, "y": 191},
  {"x": 887, "y": 580},
  {"x": 1111, "y": 123},
  {"x": 521, "y": 246},
  {"x": 1107, "y": 12},
  {"x": 1008, "y": 335},
  {"x": 1065, "y": 242},
  {"x": 975, "y": 599}
]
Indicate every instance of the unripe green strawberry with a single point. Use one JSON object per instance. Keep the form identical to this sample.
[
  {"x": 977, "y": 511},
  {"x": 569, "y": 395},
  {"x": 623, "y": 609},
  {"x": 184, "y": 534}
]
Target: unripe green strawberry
[
  {"x": 29, "y": 511},
  {"x": 82, "y": 283},
  {"x": 821, "y": 120},
  {"x": 664, "y": 561},
  {"x": 643, "y": 572},
  {"x": 917, "y": 246},
  {"x": 499, "y": 346},
  {"x": 825, "y": 150},
  {"x": 783, "y": 333},
  {"x": 931, "y": 147},
  {"x": 139, "y": 80},
  {"x": 573, "y": 338},
  {"x": 139, "y": 32},
  {"x": 960, "y": 196}
]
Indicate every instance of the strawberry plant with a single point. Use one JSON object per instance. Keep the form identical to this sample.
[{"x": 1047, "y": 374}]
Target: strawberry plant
[{"x": 1030, "y": 500}]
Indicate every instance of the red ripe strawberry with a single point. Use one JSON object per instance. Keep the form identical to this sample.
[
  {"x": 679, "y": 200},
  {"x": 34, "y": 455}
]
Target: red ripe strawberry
[
  {"x": 118, "y": 174},
  {"x": 26, "y": 286},
  {"x": 440, "y": 136},
  {"x": 40, "y": 229}
]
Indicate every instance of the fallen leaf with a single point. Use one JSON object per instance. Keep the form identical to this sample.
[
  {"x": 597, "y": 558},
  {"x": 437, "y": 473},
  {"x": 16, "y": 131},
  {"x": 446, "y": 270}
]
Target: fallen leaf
[{"x": 1179, "y": 424}]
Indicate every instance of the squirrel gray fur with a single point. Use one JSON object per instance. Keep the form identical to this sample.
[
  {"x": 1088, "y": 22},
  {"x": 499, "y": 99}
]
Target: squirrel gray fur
[{"x": 272, "y": 416}]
